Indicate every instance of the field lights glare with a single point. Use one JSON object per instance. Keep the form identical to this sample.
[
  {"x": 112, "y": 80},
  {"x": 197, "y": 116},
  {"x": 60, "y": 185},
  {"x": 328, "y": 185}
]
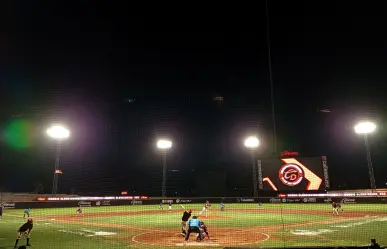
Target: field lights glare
[
  {"x": 251, "y": 142},
  {"x": 365, "y": 127},
  {"x": 164, "y": 144},
  {"x": 58, "y": 132}
]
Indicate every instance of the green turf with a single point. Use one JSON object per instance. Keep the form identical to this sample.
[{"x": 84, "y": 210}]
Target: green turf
[
  {"x": 48, "y": 234},
  {"x": 225, "y": 219}
]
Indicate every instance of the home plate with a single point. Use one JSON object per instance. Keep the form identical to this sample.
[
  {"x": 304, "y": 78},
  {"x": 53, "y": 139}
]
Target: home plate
[{"x": 52, "y": 219}]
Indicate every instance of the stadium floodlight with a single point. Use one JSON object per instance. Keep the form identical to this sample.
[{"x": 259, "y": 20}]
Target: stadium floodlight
[
  {"x": 365, "y": 128},
  {"x": 58, "y": 133},
  {"x": 251, "y": 142},
  {"x": 164, "y": 145}
]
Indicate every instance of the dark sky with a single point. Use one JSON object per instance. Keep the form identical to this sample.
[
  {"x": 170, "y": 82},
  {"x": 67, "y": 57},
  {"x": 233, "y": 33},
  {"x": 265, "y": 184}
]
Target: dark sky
[{"x": 80, "y": 63}]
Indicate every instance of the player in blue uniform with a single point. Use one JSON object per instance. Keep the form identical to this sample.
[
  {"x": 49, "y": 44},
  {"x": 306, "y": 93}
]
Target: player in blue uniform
[
  {"x": 27, "y": 212},
  {"x": 222, "y": 206},
  {"x": 194, "y": 226}
]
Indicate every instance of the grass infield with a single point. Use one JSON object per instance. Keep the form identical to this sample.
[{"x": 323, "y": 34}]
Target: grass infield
[{"x": 273, "y": 225}]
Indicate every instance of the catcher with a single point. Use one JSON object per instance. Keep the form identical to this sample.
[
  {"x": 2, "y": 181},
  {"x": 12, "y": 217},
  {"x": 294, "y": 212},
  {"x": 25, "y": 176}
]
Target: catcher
[
  {"x": 24, "y": 230},
  {"x": 204, "y": 230}
]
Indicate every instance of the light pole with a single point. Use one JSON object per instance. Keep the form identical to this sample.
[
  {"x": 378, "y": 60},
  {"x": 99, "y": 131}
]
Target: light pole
[
  {"x": 58, "y": 133},
  {"x": 252, "y": 143},
  {"x": 364, "y": 128},
  {"x": 164, "y": 146}
]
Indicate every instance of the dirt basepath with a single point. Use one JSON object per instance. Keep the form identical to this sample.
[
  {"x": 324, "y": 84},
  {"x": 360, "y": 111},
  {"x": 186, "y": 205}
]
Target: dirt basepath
[{"x": 219, "y": 236}]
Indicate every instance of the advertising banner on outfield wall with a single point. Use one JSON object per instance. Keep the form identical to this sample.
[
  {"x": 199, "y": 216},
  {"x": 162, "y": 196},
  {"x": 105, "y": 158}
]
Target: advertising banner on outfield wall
[
  {"x": 8, "y": 205},
  {"x": 274, "y": 200},
  {"x": 136, "y": 203},
  {"x": 102, "y": 203},
  {"x": 84, "y": 203},
  {"x": 245, "y": 200}
]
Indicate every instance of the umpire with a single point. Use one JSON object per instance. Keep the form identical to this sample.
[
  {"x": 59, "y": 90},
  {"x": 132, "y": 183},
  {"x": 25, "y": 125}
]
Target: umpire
[{"x": 194, "y": 226}]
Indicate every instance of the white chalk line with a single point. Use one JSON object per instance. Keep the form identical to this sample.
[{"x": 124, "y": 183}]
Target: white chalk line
[{"x": 134, "y": 239}]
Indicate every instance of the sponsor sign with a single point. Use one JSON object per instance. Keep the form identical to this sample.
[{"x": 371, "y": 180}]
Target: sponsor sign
[
  {"x": 167, "y": 201},
  {"x": 183, "y": 201},
  {"x": 275, "y": 200},
  {"x": 247, "y": 200},
  {"x": 348, "y": 200},
  {"x": 136, "y": 203},
  {"x": 84, "y": 203},
  {"x": 310, "y": 200},
  {"x": 102, "y": 203},
  {"x": 288, "y": 153},
  {"x": 328, "y": 200},
  {"x": 8, "y": 205},
  {"x": 293, "y": 200},
  {"x": 325, "y": 170},
  {"x": 260, "y": 177}
]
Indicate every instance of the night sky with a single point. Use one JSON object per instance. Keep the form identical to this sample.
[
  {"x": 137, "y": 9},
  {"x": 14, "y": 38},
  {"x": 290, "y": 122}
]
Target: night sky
[{"x": 122, "y": 76}]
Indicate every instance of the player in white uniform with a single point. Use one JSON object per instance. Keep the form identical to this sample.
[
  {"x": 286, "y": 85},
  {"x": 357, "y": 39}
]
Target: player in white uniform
[
  {"x": 170, "y": 207},
  {"x": 205, "y": 208}
]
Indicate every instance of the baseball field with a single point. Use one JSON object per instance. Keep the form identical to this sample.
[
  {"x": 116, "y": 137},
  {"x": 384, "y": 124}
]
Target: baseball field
[{"x": 272, "y": 225}]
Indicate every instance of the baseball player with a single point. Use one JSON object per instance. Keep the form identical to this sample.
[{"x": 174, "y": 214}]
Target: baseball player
[
  {"x": 339, "y": 207},
  {"x": 222, "y": 206},
  {"x": 24, "y": 230},
  {"x": 184, "y": 219},
  {"x": 205, "y": 208},
  {"x": 79, "y": 211},
  {"x": 1, "y": 211},
  {"x": 161, "y": 205},
  {"x": 194, "y": 226},
  {"x": 170, "y": 207},
  {"x": 334, "y": 208},
  {"x": 204, "y": 230},
  {"x": 27, "y": 213}
]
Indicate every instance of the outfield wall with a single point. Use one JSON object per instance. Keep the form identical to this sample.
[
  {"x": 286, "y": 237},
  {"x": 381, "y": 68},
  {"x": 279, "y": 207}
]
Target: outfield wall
[{"x": 184, "y": 201}]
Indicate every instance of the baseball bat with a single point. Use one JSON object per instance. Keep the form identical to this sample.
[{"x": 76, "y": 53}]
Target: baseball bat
[{"x": 182, "y": 206}]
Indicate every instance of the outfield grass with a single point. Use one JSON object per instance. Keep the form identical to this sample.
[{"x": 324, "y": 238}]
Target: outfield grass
[{"x": 286, "y": 225}]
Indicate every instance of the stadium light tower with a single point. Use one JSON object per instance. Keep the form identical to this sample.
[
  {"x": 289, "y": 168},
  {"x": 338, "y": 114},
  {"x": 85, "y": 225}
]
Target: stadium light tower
[
  {"x": 252, "y": 143},
  {"x": 58, "y": 133},
  {"x": 365, "y": 128},
  {"x": 164, "y": 146}
]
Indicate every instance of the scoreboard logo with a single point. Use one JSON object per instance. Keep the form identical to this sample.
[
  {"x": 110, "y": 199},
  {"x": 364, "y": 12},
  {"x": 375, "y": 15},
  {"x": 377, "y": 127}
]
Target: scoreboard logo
[{"x": 291, "y": 174}]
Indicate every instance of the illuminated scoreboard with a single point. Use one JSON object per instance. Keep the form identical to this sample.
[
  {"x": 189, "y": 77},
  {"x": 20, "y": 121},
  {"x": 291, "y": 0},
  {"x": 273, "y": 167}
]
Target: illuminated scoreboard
[{"x": 293, "y": 174}]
